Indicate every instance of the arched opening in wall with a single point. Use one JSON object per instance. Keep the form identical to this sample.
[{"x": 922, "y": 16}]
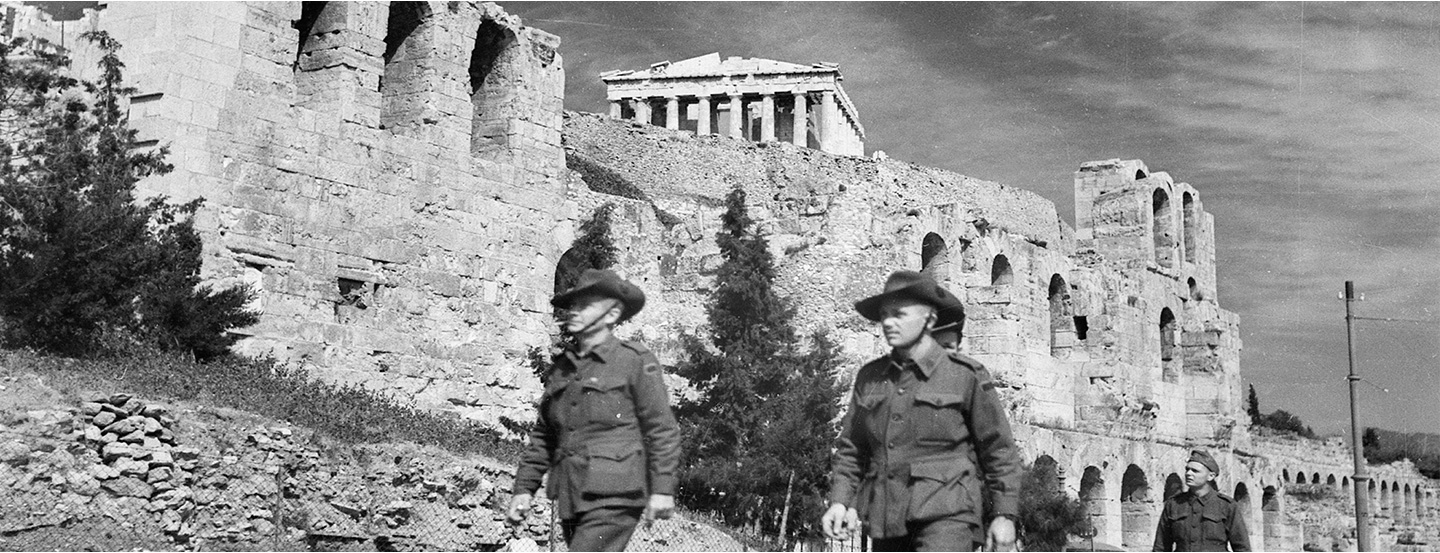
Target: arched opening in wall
[
  {"x": 1092, "y": 495},
  {"x": 567, "y": 271},
  {"x": 1315, "y": 478},
  {"x": 1136, "y": 524},
  {"x": 1163, "y": 228},
  {"x": 1242, "y": 498},
  {"x": 1345, "y": 485},
  {"x": 1187, "y": 210},
  {"x": 1169, "y": 360},
  {"x": 934, "y": 260},
  {"x": 1139, "y": 174},
  {"x": 1173, "y": 485},
  {"x": 305, "y": 26},
  {"x": 490, "y": 89},
  {"x": 1397, "y": 502},
  {"x": 1330, "y": 480},
  {"x": 1407, "y": 502},
  {"x": 1385, "y": 501},
  {"x": 1194, "y": 289},
  {"x": 1270, "y": 500},
  {"x": 1049, "y": 472},
  {"x": 401, "y": 84},
  {"x": 1284, "y": 475},
  {"x": 1062, "y": 325},
  {"x": 1300, "y": 477},
  {"x": 1000, "y": 273}
]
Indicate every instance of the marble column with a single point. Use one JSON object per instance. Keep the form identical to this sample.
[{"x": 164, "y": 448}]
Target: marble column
[
  {"x": 702, "y": 124},
  {"x": 829, "y": 122},
  {"x": 737, "y": 111},
  {"x": 800, "y": 120},
  {"x": 672, "y": 113},
  {"x": 615, "y": 108},
  {"x": 642, "y": 110},
  {"x": 767, "y": 117}
]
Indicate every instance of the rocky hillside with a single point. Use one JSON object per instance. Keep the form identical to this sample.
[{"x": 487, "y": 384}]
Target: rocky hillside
[{"x": 113, "y": 471}]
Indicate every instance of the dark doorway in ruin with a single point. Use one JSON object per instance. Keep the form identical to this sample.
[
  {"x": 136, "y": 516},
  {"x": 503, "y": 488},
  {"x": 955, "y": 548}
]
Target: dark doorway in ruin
[
  {"x": 1173, "y": 485},
  {"x": 305, "y": 26},
  {"x": 1136, "y": 523},
  {"x": 404, "y": 18},
  {"x": 1270, "y": 500},
  {"x": 1242, "y": 498},
  {"x": 1049, "y": 472},
  {"x": 1082, "y": 328},
  {"x": 934, "y": 259},
  {"x": 490, "y": 88},
  {"x": 1163, "y": 228},
  {"x": 1169, "y": 362},
  {"x": 1000, "y": 274},
  {"x": 401, "y": 79},
  {"x": 1092, "y": 495},
  {"x": 1062, "y": 333},
  {"x": 1194, "y": 289},
  {"x": 1139, "y": 174}
]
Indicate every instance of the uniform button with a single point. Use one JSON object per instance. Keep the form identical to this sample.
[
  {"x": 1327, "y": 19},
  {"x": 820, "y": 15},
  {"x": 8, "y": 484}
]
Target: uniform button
[
  {"x": 901, "y": 391},
  {"x": 895, "y": 418},
  {"x": 891, "y": 445}
]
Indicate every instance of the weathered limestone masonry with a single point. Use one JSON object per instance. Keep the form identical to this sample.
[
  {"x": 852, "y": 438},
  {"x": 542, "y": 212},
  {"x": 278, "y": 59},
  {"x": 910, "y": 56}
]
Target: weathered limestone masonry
[
  {"x": 389, "y": 175},
  {"x": 1114, "y": 354}
]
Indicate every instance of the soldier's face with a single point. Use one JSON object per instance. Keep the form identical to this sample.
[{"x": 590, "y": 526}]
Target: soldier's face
[
  {"x": 1196, "y": 475},
  {"x": 904, "y": 321},
  {"x": 948, "y": 339},
  {"x": 586, "y": 313}
]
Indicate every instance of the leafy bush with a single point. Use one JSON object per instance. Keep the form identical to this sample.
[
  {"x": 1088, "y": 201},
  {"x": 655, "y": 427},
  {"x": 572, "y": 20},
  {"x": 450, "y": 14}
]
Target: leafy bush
[
  {"x": 1385, "y": 446},
  {"x": 80, "y": 259},
  {"x": 756, "y": 441},
  {"x": 1048, "y": 517}
]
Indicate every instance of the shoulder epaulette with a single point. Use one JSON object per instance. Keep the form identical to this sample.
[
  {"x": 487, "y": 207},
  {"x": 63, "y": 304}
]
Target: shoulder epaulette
[
  {"x": 1224, "y": 497},
  {"x": 636, "y": 347},
  {"x": 973, "y": 363}
]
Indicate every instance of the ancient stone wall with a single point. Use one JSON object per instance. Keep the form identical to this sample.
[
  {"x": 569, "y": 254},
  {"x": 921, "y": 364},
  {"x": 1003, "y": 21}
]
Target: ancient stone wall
[{"x": 388, "y": 175}]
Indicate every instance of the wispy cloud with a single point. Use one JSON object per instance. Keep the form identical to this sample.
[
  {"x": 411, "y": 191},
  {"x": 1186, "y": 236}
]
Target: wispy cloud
[{"x": 1311, "y": 130}]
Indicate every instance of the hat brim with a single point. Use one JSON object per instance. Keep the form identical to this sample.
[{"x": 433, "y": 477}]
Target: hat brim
[
  {"x": 870, "y": 307},
  {"x": 630, "y": 296}
]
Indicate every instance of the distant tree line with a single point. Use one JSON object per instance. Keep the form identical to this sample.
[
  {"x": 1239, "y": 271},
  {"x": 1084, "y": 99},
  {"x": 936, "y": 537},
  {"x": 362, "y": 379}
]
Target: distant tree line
[
  {"x": 1279, "y": 420},
  {"x": 1385, "y": 446}
]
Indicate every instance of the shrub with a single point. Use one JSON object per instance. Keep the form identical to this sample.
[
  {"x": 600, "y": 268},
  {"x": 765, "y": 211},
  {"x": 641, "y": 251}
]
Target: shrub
[
  {"x": 79, "y": 257},
  {"x": 1048, "y": 517}
]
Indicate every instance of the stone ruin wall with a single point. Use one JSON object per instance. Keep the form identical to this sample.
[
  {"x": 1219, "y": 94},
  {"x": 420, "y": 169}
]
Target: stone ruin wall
[
  {"x": 391, "y": 180},
  {"x": 1117, "y": 419},
  {"x": 403, "y": 225}
]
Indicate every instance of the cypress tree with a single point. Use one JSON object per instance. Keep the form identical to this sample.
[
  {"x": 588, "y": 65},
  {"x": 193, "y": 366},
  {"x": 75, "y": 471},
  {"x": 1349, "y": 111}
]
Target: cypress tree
[{"x": 762, "y": 423}]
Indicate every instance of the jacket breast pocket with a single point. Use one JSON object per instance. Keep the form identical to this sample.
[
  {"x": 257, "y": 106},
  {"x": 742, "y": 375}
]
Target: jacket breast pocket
[
  {"x": 939, "y": 417},
  {"x": 1212, "y": 526},
  {"x": 937, "y": 489},
  {"x": 615, "y": 469},
  {"x": 607, "y": 401}
]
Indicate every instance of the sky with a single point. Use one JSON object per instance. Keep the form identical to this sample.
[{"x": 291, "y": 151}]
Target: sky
[{"x": 1312, "y": 132}]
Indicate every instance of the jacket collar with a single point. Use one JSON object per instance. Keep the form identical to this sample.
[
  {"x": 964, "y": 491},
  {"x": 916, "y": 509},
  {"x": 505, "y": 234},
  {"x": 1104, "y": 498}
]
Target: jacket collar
[
  {"x": 602, "y": 352},
  {"x": 927, "y": 357}
]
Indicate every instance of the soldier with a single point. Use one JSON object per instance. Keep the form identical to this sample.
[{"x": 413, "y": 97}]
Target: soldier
[
  {"x": 604, "y": 431},
  {"x": 949, "y": 327},
  {"x": 1201, "y": 518},
  {"x": 925, "y": 436}
]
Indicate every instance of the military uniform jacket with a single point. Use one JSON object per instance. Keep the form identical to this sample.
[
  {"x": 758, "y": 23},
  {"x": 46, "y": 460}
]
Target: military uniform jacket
[
  {"x": 1195, "y": 523},
  {"x": 605, "y": 432},
  {"x": 918, "y": 441}
]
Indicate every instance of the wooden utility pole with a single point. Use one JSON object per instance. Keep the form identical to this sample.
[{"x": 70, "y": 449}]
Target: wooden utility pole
[{"x": 1362, "y": 474}]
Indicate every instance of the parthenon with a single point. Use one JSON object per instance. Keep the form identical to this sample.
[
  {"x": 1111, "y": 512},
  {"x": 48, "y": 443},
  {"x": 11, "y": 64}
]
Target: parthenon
[{"x": 757, "y": 99}]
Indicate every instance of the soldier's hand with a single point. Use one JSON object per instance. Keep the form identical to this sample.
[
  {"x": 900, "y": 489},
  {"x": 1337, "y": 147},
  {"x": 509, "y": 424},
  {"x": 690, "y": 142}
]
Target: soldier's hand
[
  {"x": 838, "y": 522},
  {"x": 519, "y": 508},
  {"x": 661, "y": 507},
  {"x": 1001, "y": 536}
]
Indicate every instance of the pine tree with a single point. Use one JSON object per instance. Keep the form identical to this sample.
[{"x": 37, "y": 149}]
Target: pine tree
[
  {"x": 1252, "y": 407},
  {"x": 762, "y": 424},
  {"x": 80, "y": 258},
  {"x": 593, "y": 249}
]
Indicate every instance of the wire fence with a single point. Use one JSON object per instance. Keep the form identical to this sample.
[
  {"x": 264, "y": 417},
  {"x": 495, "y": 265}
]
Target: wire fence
[{"x": 118, "y": 474}]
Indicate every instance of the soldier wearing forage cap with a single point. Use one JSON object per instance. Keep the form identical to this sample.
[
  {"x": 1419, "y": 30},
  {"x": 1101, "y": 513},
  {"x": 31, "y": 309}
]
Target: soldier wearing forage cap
[
  {"x": 949, "y": 327},
  {"x": 925, "y": 439},
  {"x": 1201, "y": 518},
  {"x": 605, "y": 432}
]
